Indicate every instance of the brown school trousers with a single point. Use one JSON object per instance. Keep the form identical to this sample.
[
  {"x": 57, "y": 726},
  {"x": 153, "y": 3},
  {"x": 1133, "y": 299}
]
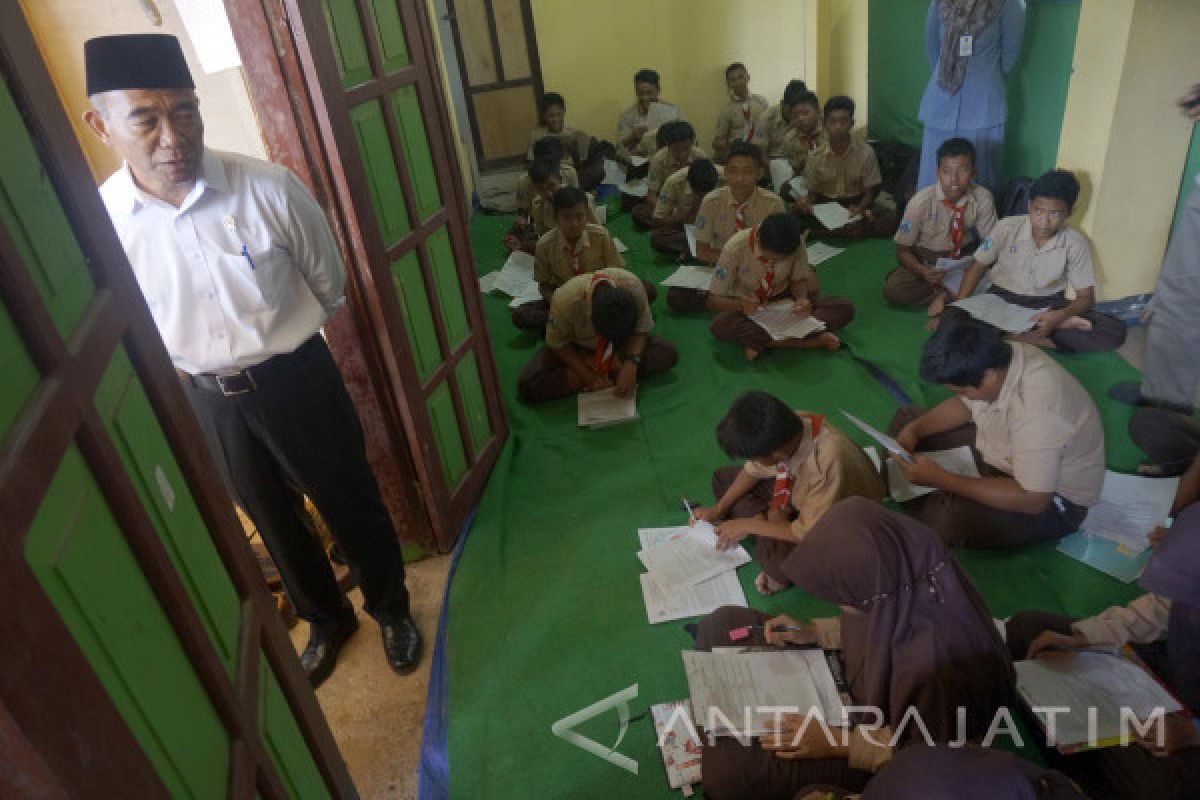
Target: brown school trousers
[
  {"x": 736, "y": 327},
  {"x": 1107, "y": 333},
  {"x": 769, "y": 553},
  {"x": 881, "y": 224},
  {"x": 670, "y": 239},
  {"x": 1169, "y": 439},
  {"x": 905, "y": 288},
  {"x": 962, "y": 522},
  {"x": 545, "y": 377},
  {"x": 643, "y": 216}
]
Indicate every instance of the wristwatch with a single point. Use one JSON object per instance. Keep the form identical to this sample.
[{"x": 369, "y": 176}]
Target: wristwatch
[{"x": 636, "y": 358}]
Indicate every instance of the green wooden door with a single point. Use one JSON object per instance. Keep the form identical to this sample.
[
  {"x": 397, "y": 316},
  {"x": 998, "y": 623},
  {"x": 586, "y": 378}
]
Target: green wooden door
[
  {"x": 376, "y": 89},
  {"x": 147, "y": 658}
]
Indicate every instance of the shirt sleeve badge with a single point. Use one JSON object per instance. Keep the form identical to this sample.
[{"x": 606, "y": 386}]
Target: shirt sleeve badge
[{"x": 906, "y": 227}]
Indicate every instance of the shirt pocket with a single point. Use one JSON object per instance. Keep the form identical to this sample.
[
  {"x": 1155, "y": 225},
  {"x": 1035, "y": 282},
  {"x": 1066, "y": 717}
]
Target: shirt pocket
[
  {"x": 254, "y": 279},
  {"x": 1050, "y": 268}
]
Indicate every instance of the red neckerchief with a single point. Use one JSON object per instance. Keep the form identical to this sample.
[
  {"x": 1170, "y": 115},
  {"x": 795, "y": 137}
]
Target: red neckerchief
[
  {"x": 739, "y": 212},
  {"x": 748, "y": 120},
  {"x": 956, "y": 228},
  {"x": 602, "y": 359},
  {"x": 766, "y": 286},
  {"x": 814, "y": 140},
  {"x": 574, "y": 253},
  {"x": 781, "y": 492}
]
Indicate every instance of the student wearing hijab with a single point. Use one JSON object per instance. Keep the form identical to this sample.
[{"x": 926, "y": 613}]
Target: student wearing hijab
[
  {"x": 1164, "y": 629},
  {"x": 916, "y": 638}
]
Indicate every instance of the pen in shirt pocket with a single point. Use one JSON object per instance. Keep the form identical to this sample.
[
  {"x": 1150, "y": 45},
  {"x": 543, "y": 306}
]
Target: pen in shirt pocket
[{"x": 231, "y": 226}]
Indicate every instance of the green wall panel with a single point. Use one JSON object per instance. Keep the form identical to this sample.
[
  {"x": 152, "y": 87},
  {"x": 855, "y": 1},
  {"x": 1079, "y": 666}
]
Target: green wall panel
[
  {"x": 31, "y": 212},
  {"x": 20, "y": 375},
  {"x": 123, "y": 405},
  {"x": 418, "y": 321},
  {"x": 382, "y": 175},
  {"x": 445, "y": 432},
  {"x": 415, "y": 139},
  {"x": 284, "y": 742},
  {"x": 85, "y": 566},
  {"x": 1037, "y": 86},
  {"x": 349, "y": 44},
  {"x": 470, "y": 389},
  {"x": 445, "y": 278},
  {"x": 390, "y": 32}
]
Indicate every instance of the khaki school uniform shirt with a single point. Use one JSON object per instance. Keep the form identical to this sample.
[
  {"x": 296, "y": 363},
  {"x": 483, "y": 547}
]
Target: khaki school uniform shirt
[
  {"x": 575, "y": 142},
  {"x": 927, "y": 220},
  {"x": 1024, "y": 268},
  {"x": 826, "y": 468},
  {"x": 732, "y": 123},
  {"x": 662, "y": 166},
  {"x": 570, "y": 320},
  {"x": 632, "y": 118},
  {"x": 553, "y": 263},
  {"x": 739, "y": 273},
  {"x": 1143, "y": 621},
  {"x": 717, "y": 220},
  {"x": 526, "y": 192},
  {"x": 544, "y": 218},
  {"x": 797, "y": 146},
  {"x": 845, "y": 175},
  {"x": 676, "y": 194},
  {"x": 770, "y": 131},
  {"x": 1043, "y": 429}
]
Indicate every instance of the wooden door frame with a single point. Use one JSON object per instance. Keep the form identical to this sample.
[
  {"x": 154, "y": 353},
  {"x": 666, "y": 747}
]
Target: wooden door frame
[
  {"x": 47, "y": 679},
  {"x": 282, "y": 82},
  {"x": 535, "y": 78}
]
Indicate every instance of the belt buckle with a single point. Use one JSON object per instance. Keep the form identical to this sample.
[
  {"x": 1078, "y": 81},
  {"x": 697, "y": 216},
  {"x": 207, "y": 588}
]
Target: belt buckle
[{"x": 226, "y": 391}]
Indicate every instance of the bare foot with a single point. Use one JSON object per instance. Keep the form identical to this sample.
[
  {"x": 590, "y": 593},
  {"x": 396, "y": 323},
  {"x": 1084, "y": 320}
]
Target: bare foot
[
  {"x": 827, "y": 340},
  {"x": 752, "y": 354},
  {"x": 767, "y": 585},
  {"x": 1076, "y": 324},
  {"x": 933, "y": 324}
]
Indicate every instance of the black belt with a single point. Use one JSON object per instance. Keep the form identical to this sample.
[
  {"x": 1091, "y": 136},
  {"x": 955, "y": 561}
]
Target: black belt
[{"x": 248, "y": 380}]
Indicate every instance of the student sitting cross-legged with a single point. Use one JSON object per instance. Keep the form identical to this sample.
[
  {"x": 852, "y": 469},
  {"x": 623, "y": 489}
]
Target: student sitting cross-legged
[
  {"x": 678, "y": 151},
  {"x": 634, "y": 136},
  {"x": 739, "y": 116},
  {"x": 1163, "y": 628},
  {"x": 573, "y": 247},
  {"x": 679, "y": 203},
  {"x": 805, "y": 135},
  {"x": 797, "y": 466},
  {"x": 918, "y": 641},
  {"x": 545, "y": 175},
  {"x": 597, "y": 336},
  {"x": 1034, "y": 258},
  {"x": 844, "y": 171},
  {"x": 945, "y": 220},
  {"x": 773, "y": 124},
  {"x": 763, "y": 265},
  {"x": 550, "y": 149},
  {"x": 1033, "y": 426}
]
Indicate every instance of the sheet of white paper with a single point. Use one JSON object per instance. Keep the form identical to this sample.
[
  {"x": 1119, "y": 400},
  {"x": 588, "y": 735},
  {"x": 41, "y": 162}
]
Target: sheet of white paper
[
  {"x": 621, "y": 246},
  {"x": 636, "y": 188},
  {"x": 889, "y": 444},
  {"x": 691, "y": 276},
  {"x": 1086, "y": 680},
  {"x": 744, "y": 685},
  {"x": 953, "y": 269},
  {"x": 681, "y": 748},
  {"x": 1130, "y": 508},
  {"x": 601, "y": 214},
  {"x": 998, "y": 312},
  {"x": 207, "y": 26},
  {"x": 653, "y": 537},
  {"x": 781, "y": 173},
  {"x": 873, "y": 453},
  {"x": 833, "y": 215},
  {"x": 614, "y": 173},
  {"x": 671, "y": 601},
  {"x": 693, "y": 557},
  {"x": 637, "y": 161},
  {"x": 798, "y": 187},
  {"x": 658, "y": 113},
  {"x": 1001, "y": 628},
  {"x": 819, "y": 252},
  {"x": 530, "y": 294},
  {"x": 690, "y": 232},
  {"x": 602, "y": 408},
  {"x": 515, "y": 276},
  {"x": 487, "y": 283},
  {"x": 958, "y": 461},
  {"x": 778, "y": 320}
]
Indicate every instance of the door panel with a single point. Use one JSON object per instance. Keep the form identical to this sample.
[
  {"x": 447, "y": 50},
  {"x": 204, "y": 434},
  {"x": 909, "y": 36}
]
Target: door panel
[
  {"x": 506, "y": 116},
  {"x": 510, "y": 34}
]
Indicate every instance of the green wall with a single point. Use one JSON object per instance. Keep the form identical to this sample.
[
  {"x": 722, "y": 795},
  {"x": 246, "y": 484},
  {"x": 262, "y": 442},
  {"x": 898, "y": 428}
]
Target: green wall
[{"x": 1037, "y": 87}]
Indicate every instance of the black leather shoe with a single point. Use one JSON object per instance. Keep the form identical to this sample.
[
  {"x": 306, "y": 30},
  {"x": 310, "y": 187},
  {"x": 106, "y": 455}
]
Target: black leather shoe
[
  {"x": 320, "y": 656},
  {"x": 401, "y": 644}
]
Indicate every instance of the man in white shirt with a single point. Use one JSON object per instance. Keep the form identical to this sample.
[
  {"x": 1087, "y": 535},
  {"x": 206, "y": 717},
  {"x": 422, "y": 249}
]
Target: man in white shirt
[{"x": 240, "y": 271}]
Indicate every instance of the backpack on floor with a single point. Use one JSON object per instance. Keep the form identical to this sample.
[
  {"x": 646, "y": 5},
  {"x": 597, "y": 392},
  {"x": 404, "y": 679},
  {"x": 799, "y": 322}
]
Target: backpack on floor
[{"x": 1014, "y": 200}]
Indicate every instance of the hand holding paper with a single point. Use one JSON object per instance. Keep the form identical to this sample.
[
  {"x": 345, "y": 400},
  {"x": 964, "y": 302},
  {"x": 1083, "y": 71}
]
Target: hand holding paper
[{"x": 889, "y": 444}]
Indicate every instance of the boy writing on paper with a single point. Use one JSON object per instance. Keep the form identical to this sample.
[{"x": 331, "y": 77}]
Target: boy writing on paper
[
  {"x": 679, "y": 203},
  {"x": 844, "y": 171},
  {"x": 796, "y": 466},
  {"x": 738, "y": 118},
  {"x": 574, "y": 247},
  {"x": 678, "y": 151},
  {"x": 550, "y": 149},
  {"x": 597, "y": 336},
  {"x": 546, "y": 178},
  {"x": 1033, "y": 426},
  {"x": 762, "y": 265},
  {"x": 1034, "y": 259},
  {"x": 945, "y": 220}
]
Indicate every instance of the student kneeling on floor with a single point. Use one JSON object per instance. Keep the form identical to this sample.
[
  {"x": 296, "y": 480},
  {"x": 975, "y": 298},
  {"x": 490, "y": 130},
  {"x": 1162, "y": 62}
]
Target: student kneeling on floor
[
  {"x": 1033, "y": 426},
  {"x": 597, "y": 336}
]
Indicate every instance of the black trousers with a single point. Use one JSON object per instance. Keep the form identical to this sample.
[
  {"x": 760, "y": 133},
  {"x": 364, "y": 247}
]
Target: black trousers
[{"x": 297, "y": 434}]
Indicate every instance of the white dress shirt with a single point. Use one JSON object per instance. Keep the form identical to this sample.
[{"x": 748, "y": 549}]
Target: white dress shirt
[{"x": 245, "y": 269}]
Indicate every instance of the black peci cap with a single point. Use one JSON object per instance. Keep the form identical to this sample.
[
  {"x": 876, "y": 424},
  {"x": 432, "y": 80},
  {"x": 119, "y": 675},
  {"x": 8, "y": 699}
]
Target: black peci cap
[{"x": 135, "y": 61}]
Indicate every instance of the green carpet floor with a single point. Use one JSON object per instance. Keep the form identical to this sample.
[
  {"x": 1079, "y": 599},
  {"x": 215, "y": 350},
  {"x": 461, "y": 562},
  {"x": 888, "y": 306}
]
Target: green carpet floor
[{"x": 546, "y": 614}]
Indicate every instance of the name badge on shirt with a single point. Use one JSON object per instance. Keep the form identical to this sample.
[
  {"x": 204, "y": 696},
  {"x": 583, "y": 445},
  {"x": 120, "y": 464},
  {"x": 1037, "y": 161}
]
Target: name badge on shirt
[{"x": 966, "y": 45}]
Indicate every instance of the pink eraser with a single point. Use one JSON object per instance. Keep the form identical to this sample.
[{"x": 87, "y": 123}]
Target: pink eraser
[{"x": 737, "y": 634}]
